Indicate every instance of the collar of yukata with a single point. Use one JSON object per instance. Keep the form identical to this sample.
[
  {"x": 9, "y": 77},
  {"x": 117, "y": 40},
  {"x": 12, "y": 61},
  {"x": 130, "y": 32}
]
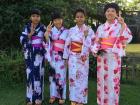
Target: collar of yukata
[
  {"x": 29, "y": 26},
  {"x": 81, "y": 29},
  {"x": 107, "y": 24},
  {"x": 61, "y": 29}
]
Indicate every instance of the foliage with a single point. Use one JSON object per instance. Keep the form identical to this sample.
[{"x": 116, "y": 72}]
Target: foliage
[{"x": 15, "y": 13}]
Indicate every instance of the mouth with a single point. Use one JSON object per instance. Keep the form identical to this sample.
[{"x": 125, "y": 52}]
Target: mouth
[{"x": 110, "y": 16}]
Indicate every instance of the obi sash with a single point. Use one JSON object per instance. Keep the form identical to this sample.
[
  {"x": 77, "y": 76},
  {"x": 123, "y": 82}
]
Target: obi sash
[
  {"x": 76, "y": 47},
  {"x": 58, "y": 45},
  {"x": 108, "y": 42},
  {"x": 36, "y": 41}
]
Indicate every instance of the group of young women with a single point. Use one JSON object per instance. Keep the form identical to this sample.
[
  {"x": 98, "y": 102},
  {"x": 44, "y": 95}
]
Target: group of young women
[{"x": 69, "y": 49}]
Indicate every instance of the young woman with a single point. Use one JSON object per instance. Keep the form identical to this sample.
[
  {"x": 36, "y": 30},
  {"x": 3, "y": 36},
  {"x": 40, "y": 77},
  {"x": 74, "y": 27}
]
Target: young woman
[
  {"x": 56, "y": 37},
  {"x": 76, "y": 52},
  {"x": 31, "y": 39},
  {"x": 112, "y": 37}
]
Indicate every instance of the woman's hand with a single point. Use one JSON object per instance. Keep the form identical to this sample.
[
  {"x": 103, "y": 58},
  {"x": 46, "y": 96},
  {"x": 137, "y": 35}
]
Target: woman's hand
[
  {"x": 121, "y": 21},
  {"x": 83, "y": 58},
  {"x": 49, "y": 28},
  {"x": 32, "y": 31},
  {"x": 86, "y": 30}
]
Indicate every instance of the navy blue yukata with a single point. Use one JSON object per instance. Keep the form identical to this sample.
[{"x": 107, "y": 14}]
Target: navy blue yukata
[{"x": 34, "y": 60}]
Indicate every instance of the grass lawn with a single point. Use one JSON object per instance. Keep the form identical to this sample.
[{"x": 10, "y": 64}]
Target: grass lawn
[
  {"x": 133, "y": 49},
  {"x": 15, "y": 95}
]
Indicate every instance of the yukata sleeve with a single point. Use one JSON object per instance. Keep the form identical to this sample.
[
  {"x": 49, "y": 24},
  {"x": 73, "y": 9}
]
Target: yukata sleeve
[
  {"x": 67, "y": 46},
  {"x": 24, "y": 40},
  {"x": 88, "y": 42},
  {"x": 126, "y": 35},
  {"x": 95, "y": 45},
  {"x": 47, "y": 47}
]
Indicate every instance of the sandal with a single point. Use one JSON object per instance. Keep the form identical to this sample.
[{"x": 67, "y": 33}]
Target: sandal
[
  {"x": 51, "y": 101},
  {"x": 61, "y": 102},
  {"x": 38, "y": 102},
  {"x": 73, "y": 103}
]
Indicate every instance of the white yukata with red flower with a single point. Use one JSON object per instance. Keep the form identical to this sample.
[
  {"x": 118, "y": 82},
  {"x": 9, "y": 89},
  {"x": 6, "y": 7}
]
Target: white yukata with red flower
[
  {"x": 109, "y": 64},
  {"x": 78, "y": 70},
  {"x": 57, "y": 72}
]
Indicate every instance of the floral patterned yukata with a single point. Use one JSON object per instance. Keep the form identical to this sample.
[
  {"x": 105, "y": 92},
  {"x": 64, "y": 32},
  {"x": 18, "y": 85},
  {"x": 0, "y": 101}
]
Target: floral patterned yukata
[
  {"x": 112, "y": 41},
  {"x": 57, "y": 73},
  {"x": 75, "y": 47}
]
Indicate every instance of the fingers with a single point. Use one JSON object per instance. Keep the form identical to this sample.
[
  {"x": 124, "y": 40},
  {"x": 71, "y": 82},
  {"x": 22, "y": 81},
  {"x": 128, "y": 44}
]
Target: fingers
[
  {"x": 51, "y": 24},
  {"x": 32, "y": 27},
  {"x": 120, "y": 13}
]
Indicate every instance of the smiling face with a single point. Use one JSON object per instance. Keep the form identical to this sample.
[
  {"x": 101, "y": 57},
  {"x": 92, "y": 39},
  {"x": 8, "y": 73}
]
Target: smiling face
[
  {"x": 110, "y": 14},
  {"x": 80, "y": 18},
  {"x": 58, "y": 23},
  {"x": 35, "y": 18}
]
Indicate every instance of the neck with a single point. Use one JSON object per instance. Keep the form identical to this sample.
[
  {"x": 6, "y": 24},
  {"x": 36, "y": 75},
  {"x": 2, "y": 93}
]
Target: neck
[
  {"x": 35, "y": 24},
  {"x": 58, "y": 28},
  {"x": 110, "y": 21},
  {"x": 79, "y": 25}
]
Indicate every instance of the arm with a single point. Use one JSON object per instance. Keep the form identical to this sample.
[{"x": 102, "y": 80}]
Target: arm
[
  {"x": 66, "y": 47},
  {"x": 47, "y": 43},
  {"x": 95, "y": 46},
  {"x": 126, "y": 35},
  {"x": 24, "y": 37},
  {"x": 88, "y": 42}
]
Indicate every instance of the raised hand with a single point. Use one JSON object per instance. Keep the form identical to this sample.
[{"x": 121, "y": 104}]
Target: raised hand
[
  {"x": 32, "y": 30},
  {"x": 86, "y": 30},
  {"x": 83, "y": 58},
  {"x": 49, "y": 28},
  {"x": 120, "y": 19}
]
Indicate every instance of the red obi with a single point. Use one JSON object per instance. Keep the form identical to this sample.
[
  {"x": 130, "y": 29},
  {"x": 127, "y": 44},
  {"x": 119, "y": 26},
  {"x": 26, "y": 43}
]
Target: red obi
[
  {"x": 108, "y": 42},
  {"x": 58, "y": 45},
  {"x": 76, "y": 47}
]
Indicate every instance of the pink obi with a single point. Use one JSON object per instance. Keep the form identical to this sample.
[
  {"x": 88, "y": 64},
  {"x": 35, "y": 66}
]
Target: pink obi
[
  {"x": 108, "y": 42},
  {"x": 36, "y": 41},
  {"x": 58, "y": 45}
]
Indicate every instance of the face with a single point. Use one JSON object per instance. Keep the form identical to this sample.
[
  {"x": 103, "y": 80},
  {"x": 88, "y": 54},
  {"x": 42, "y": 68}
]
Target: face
[
  {"x": 35, "y": 18},
  {"x": 58, "y": 23},
  {"x": 110, "y": 14},
  {"x": 80, "y": 18}
]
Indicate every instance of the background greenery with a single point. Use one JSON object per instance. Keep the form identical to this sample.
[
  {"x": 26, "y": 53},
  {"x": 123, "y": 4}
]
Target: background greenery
[{"x": 15, "y": 13}]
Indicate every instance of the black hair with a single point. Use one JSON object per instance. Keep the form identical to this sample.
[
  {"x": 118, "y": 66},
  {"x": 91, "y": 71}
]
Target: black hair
[
  {"x": 56, "y": 15},
  {"x": 35, "y": 11},
  {"x": 79, "y": 10},
  {"x": 112, "y": 5}
]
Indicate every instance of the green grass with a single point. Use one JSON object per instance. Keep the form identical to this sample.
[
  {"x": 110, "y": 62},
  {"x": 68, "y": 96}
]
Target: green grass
[
  {"x": 133, "y": 48},
  {"x": 15, "y": 95}
]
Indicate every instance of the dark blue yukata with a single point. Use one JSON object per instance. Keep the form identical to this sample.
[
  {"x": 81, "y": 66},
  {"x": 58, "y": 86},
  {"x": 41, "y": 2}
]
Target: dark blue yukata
[{"x": 34, "y": 60}]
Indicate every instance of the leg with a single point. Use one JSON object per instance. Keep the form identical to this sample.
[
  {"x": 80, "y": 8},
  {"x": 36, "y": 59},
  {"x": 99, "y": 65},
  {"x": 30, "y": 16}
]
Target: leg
[
  {"x": 38, "y": 102},
  {"x": 52, "y": 100},
  {"x": 61, "y": 101},
  {"x": 73, "y": 103}
]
